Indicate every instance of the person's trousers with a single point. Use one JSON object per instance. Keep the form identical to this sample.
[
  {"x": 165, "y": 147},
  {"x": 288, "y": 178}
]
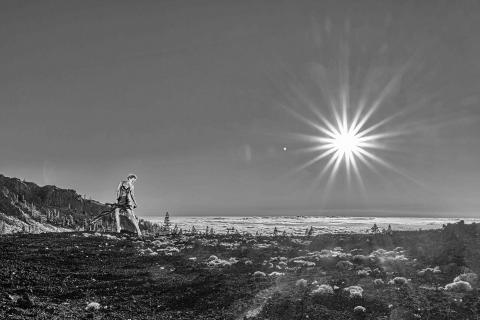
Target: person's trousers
[{"x": 129, "y": 214}]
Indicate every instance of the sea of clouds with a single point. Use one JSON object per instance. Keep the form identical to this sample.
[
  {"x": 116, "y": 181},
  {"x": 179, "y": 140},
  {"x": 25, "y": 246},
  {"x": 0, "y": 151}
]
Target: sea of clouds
[{"x": 298, "y": 224}]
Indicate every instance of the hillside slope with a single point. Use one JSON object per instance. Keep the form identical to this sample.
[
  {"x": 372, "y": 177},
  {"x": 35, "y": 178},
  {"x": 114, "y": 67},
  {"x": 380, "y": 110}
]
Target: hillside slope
[{"x": 27, "y": 207}]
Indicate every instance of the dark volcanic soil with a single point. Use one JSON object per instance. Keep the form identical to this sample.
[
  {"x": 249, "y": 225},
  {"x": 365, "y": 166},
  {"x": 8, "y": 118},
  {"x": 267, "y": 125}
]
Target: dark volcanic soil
[{"x": 57, "y": 275}]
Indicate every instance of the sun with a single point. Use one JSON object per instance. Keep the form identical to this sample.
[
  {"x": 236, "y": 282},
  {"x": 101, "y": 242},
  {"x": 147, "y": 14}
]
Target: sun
[
  {"x": 346, "y": 143},
  {"x": 355, "y": 123},
  {"x": 349, "y": 139}
]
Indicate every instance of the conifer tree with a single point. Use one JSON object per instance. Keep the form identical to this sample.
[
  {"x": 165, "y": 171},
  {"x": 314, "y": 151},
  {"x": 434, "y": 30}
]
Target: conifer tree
[
  {"x": 166, "y": 222},
  {"x": 310, "y": 232}
]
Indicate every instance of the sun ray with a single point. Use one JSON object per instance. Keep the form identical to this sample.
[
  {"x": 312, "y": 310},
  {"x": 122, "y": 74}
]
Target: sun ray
[
  {"x": 313, "y": 149},
  {"x": 314, "y": 160},
  {"x": 346, "y": 140},
  {"x": 311, "y": 138},
  {"x": 322, "y": 173},
  {"x": 358, "y": 176},
  {"x": 347, "y": 136},
  {"x": 390, "y": 166}
]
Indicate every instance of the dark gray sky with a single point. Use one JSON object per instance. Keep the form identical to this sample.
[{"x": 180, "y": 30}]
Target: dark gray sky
[{"x": 186, "y": 94}]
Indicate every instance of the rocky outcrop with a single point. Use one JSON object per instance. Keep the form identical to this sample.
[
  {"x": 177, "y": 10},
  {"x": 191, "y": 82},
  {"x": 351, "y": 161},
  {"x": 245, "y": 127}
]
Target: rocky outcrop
[{"x": 27, "y": 207}]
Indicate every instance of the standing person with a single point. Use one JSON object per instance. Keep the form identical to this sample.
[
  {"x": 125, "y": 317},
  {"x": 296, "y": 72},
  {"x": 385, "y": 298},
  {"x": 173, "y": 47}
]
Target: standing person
[{"x": 126, "y": 202}]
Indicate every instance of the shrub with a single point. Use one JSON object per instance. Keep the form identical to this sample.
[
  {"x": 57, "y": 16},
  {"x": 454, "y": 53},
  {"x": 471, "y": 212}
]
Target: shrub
[
  {"x": 470, "y": 277},
  {"x": 276, "y": 274},
  {"x": 302, "y": 283},
  {"x": 359, "y": 309},
  {"x": 354, "y": 291},
  {"x": 259, "y": 274},
  {"x": 92, "y": 306},
  {"x": 322, "y": 290},
  {"x": 363, "y": 272},
  {"x": 221, "y": 263},
  {"x": 212, "y": 257},
  {"x": 459, "y": 286},
  {"x": 344, "y": 265},
  {"x": 400, "y": 281},
  {"x": 378, "y": 282},
  {"x": 428, "y": 271}
]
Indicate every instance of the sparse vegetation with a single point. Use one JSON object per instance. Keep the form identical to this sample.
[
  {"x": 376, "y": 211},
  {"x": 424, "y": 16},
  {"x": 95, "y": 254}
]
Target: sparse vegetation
[{"x": 205, "y": 276}]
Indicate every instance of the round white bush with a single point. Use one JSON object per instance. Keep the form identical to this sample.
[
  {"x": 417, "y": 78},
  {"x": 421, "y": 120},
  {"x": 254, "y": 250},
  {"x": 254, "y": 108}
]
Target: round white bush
[
  {"x": 400, "y": 281},
  {"x": 93, "y": 306},
  {"x": 302, "y": 283},
  {"x": 427, "y": 271},
  {"x": 322, "y": 290},
  {"x": 359, "y": 309},
  {"x": 259, "y": 274},
  {"x": 470, "y": 277},
  {"x": 354, "y": 291},
  {"x": 378, "y": 282},
  {"x": 276, "y": 274},
  {"x": 459, "y": 286},
  {"x": 363, "y": 273}
]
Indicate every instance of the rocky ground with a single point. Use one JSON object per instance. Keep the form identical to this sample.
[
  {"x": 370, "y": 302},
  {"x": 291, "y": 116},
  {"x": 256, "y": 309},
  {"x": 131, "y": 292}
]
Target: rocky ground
[{"x": 80, "y": 275}]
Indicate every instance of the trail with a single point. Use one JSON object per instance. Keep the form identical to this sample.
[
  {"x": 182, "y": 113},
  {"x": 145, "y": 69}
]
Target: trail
[{"x": 258, "y": 302}]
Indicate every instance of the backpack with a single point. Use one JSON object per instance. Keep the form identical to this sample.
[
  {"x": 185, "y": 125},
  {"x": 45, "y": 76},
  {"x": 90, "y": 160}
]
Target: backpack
[{"x": 124, "y": 190}]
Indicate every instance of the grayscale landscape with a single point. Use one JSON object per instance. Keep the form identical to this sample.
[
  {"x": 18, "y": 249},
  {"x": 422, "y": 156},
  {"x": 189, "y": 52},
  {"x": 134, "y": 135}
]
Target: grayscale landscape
[{"x": 240, "y": 159}]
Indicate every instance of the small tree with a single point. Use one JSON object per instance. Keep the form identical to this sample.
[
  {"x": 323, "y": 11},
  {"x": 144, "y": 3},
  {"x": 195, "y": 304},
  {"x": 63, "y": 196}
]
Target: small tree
[
  {"x": 310, "y": 232},
  {"x": 389, "y": 230},
  {"x": 206, "y": 230},
  {"x": 194, "y": 231},
  {"x": 375, "y": 228},
  {"x": 166, "y": 222},
  {"x": 275, "y": 231}
]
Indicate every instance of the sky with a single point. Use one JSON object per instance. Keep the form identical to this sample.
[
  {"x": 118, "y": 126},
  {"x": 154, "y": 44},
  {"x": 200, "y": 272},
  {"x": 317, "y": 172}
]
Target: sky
[{"x": 207, "y": 102}]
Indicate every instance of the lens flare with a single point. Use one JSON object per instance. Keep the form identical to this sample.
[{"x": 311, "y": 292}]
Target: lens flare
[
  {"x": 350, "y": 139},
  {"x": 346, "y": 143},
  {"x": 355, "y": 113}
]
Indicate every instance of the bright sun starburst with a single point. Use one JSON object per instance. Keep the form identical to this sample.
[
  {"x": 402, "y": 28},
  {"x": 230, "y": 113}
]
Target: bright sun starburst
[
  {"x": 346, "y": 143},
  {"x": 349, "y": 133},
  {"x": 353, "y": 114},
  {"x": 347, "y": 140}
]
